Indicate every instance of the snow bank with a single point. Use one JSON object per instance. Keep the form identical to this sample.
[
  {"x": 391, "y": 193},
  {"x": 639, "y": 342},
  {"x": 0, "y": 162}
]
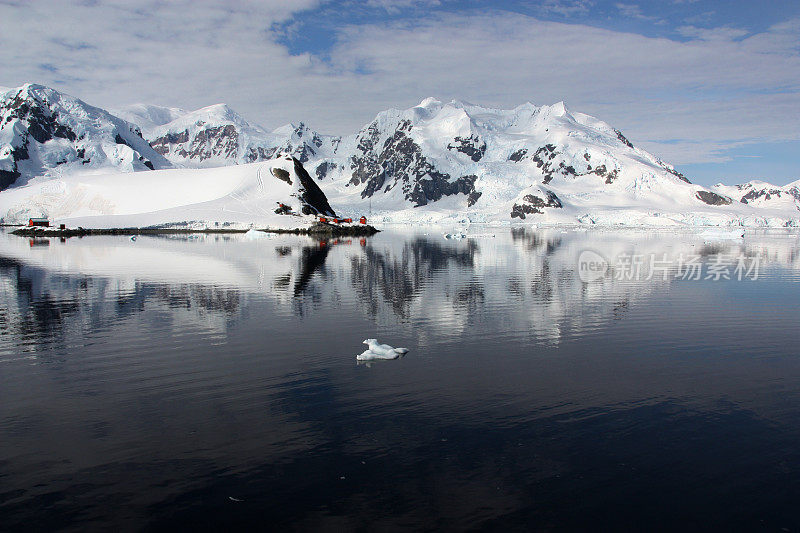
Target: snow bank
[{"x": 237, "y": 197}]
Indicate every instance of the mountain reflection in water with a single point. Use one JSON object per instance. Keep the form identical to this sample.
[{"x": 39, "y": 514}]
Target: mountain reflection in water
[{"x": 211, "y": 380}]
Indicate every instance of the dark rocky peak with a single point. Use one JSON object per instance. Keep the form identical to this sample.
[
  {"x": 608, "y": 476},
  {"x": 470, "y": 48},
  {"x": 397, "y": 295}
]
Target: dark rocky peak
[
  {"x": 315, "y": 200},
  {"x": 31, "y": 107},
  {"x": 399, "y": 162},
  {"x": 325, "y": 168},
  {"x": 304, "y": 143},
  {"x": 304, "y": 152},
  {"x": 532, "y": 204}
]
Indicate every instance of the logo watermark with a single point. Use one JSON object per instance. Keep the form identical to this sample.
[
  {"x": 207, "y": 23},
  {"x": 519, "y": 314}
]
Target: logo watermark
[
  {"x": 591, "y": 266},
  {"x": 689, "y": 267}
]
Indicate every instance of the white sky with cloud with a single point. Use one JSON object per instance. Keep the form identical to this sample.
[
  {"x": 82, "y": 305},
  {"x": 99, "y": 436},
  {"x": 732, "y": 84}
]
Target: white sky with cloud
[{"x": 687, "y": 100}]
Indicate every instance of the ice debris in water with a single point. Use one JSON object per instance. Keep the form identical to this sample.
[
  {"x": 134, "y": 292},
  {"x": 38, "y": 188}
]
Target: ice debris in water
[
  {"x": 254, "y": 234},
  {"x": 380, "y": 351},
  {"x": 721, "y": 235}
]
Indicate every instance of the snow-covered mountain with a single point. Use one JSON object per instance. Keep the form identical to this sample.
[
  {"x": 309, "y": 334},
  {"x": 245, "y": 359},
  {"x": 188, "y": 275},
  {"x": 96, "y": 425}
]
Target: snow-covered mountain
[
  {"x": 762, "y": 194},
  {"x": 148, "y": 116},
  {"x": 43, "y": 131},
  {"x": 216, "y": 136},
  {"x": 462, "y": 161},
  {"x": 435, "y": 162},
  {"x": 306, "y": 144},
  {"x": 210, "y": 137},
  {"x": 543, "y": 164}
]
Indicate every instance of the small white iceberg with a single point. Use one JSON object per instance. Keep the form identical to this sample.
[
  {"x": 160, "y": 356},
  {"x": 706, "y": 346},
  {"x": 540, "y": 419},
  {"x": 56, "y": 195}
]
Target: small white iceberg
[
  {"x": 722, "y": 235},
  {"x": 253, "y": 234},
  {"x": 380, "y": 351}
]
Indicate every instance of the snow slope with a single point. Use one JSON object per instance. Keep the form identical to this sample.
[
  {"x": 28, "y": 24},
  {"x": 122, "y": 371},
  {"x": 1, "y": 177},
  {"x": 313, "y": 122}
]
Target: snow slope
[
  {"x": 238, "y": 197},
  {"x": 45, "y": 132},
  {"x": 147, "y": 116}
]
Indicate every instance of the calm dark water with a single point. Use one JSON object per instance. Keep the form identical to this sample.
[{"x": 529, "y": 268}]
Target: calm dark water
[{"x": 211, "y": 382}]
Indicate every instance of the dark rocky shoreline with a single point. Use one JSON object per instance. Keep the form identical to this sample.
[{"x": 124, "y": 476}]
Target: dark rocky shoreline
[
  {"x": 330, "y": 230},
  {"x": 84, "y": 232},
  {"x": 318, "y": 229}
]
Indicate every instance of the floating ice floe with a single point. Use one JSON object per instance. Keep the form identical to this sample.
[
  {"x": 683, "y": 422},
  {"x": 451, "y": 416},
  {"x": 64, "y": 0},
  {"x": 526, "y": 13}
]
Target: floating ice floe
[
  {"x": 380, "y": 351},
  {"x": 254, "y": 234},
  {"x": 722, "y": 235}
]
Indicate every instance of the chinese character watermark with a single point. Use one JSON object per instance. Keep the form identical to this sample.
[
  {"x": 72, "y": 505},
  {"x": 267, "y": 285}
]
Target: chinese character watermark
[{"x": 685, "y": 267}]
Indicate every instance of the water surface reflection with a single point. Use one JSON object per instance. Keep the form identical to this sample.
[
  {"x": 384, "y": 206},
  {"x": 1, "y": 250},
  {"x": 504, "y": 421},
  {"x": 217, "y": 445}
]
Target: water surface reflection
[{"x": 157, "y": 383}]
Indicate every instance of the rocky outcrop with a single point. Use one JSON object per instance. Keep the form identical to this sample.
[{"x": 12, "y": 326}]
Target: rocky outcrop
[
  {"x": 532, "y": 204},
  {"x": 768, "y": 193},
  {"x": 674, "y": 172},
  {"x": 8, "y": 177},
  {"x": 472, "y": 146},
  {"x": 518, "y": 155},
  {"x": 324, "y": 168},
  {"x": 304, "y": 144},
  {"x": 623, "y": 139},
  {"x": 553, "y": 164},
  {"x": 712, "y": 198},
  {"x": 314, "y": 199}
]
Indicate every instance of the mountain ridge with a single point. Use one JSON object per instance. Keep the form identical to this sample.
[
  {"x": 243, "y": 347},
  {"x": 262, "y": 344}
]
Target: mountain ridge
[{"x": 440, "y": 161}]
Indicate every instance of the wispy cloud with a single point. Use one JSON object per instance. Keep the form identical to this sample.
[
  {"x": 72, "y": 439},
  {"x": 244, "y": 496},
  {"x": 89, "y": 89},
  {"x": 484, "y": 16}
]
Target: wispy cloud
[
  {"x": 715, "y": 88},
  {"x": 396, "y": 6},
  {"x": 723, "y": 34},
  {"x": 565, "y": 8},
  {"x": 633, "y": 11},
  {"x": 710, "y": 93}
]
